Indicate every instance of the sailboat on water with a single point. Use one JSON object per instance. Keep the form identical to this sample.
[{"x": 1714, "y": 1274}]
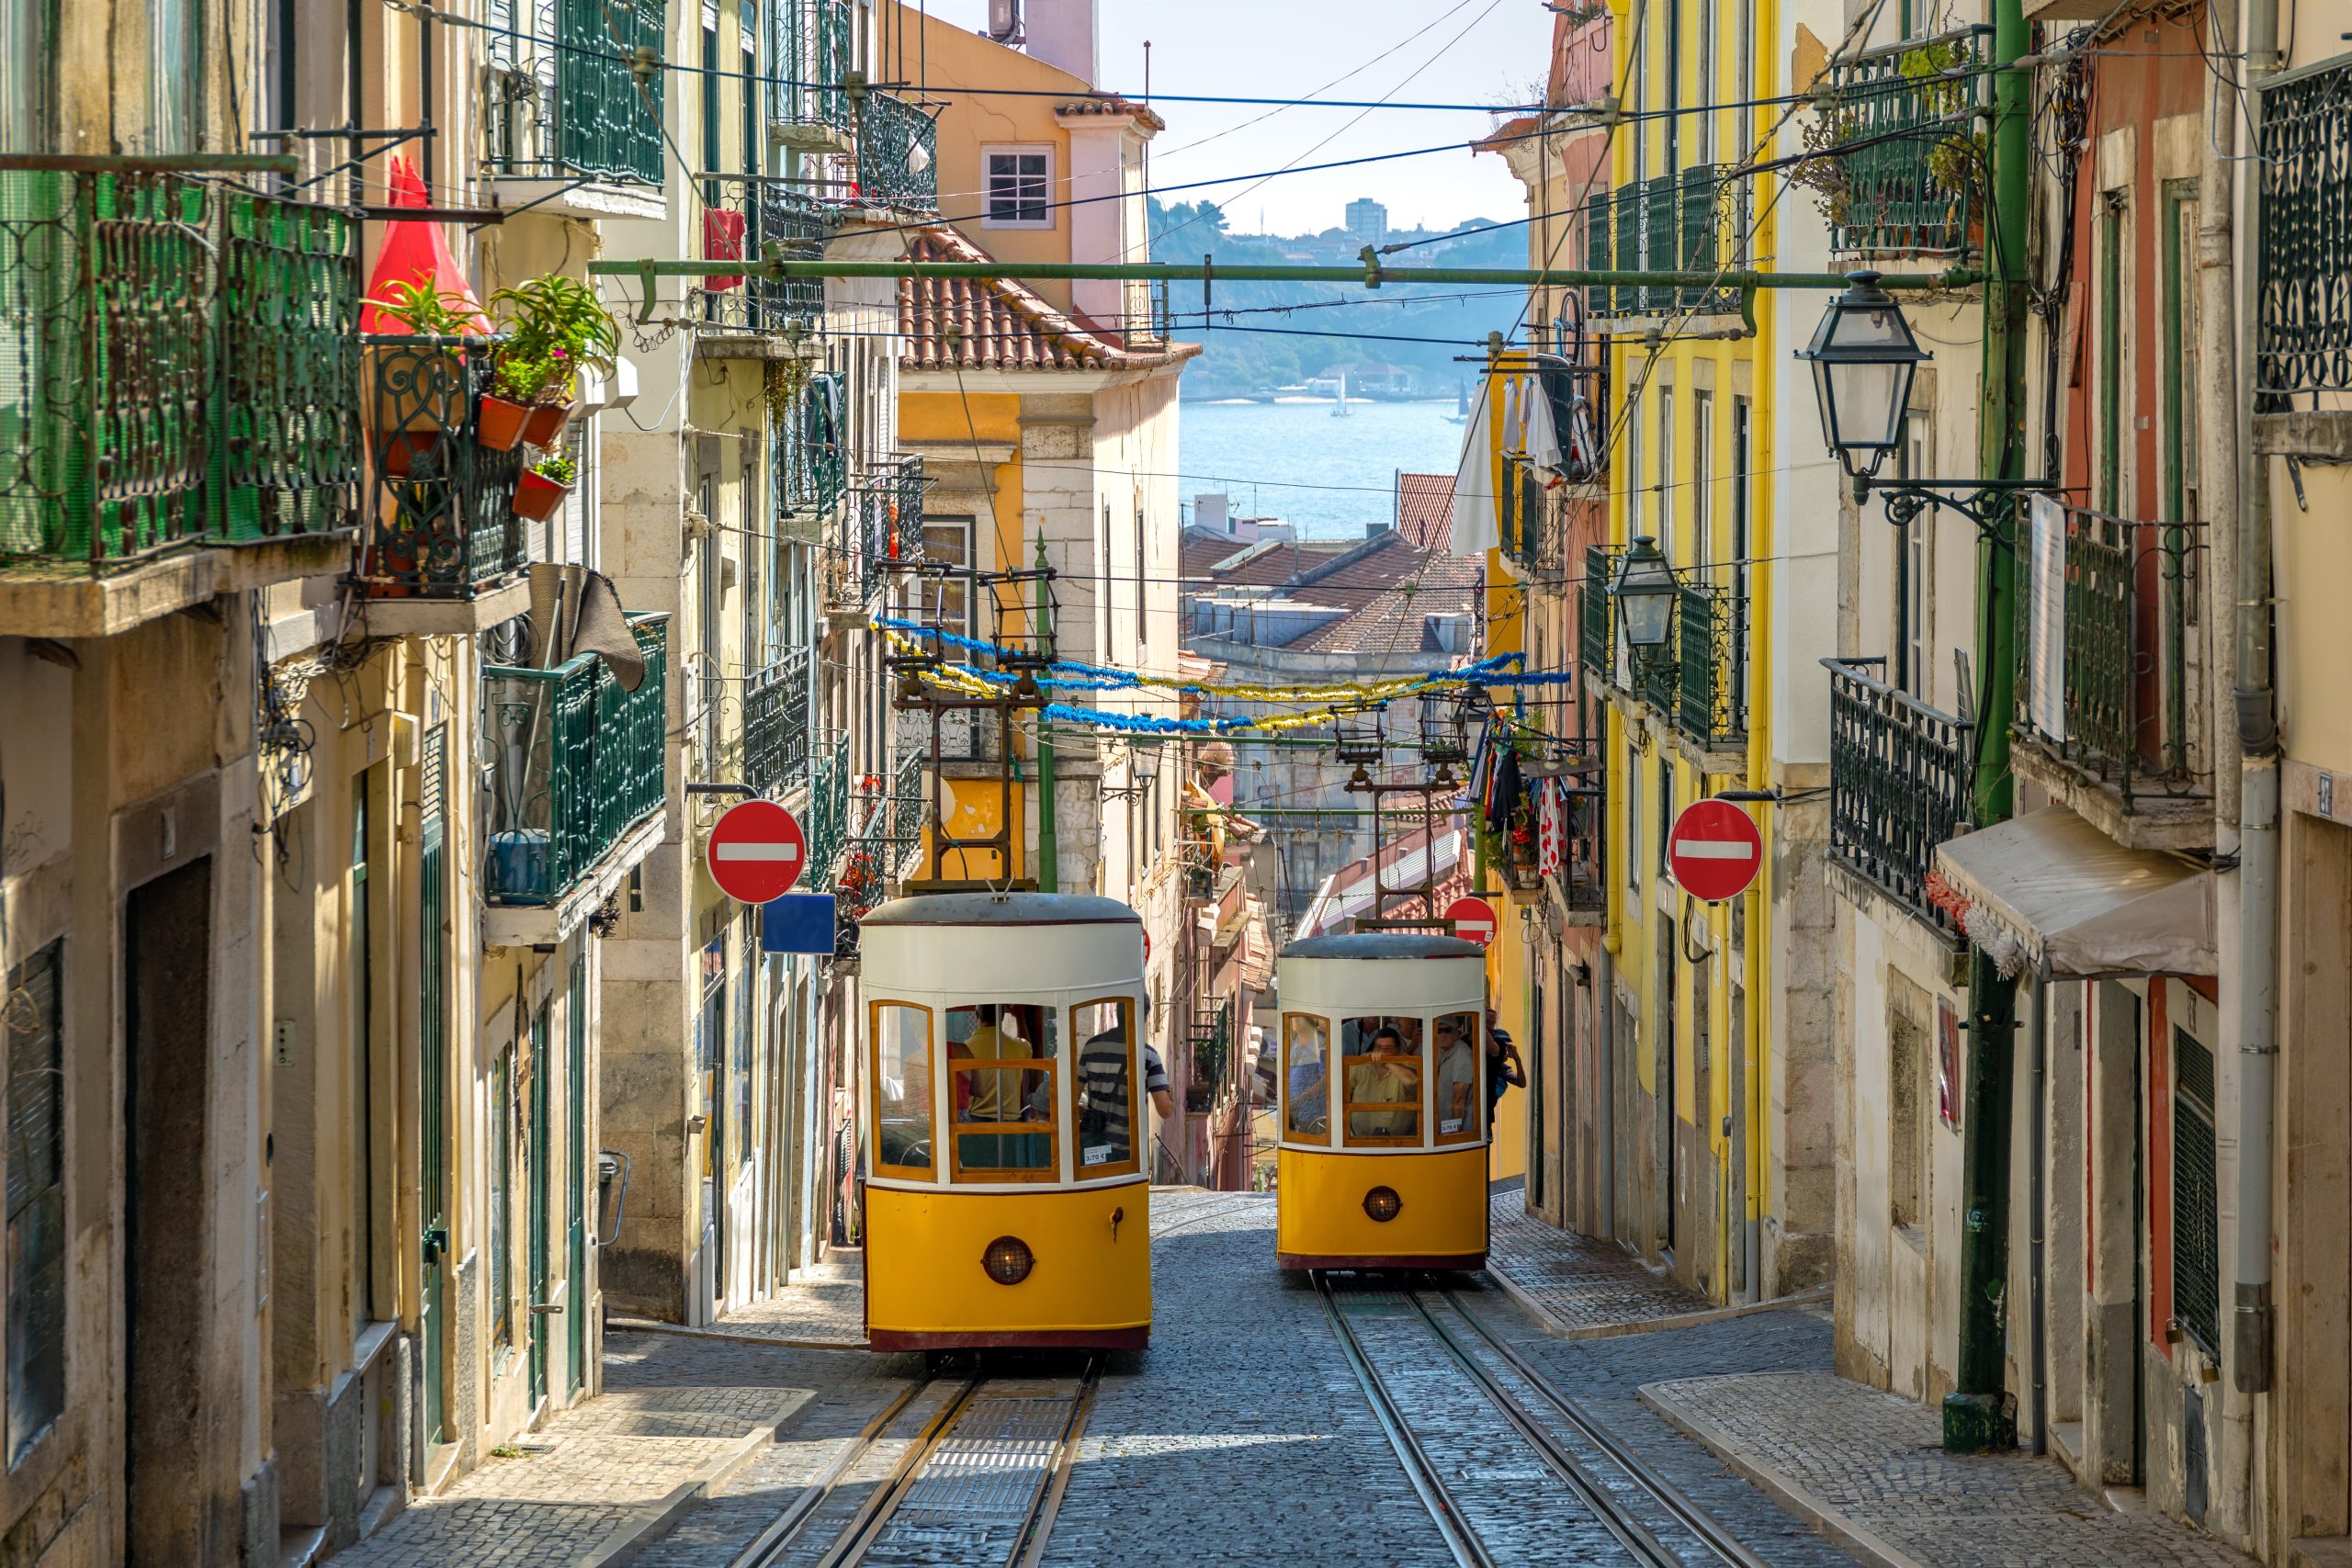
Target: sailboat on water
[
  {"x": 1461, "y": 415},
  {"x": 1339, "y": 408}
]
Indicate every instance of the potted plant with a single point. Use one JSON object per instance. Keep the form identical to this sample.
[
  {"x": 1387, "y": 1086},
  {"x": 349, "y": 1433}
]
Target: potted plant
[
  {"x": 434, "y": 379},
  {"x": 543, "y": 485},
  {"x": 554, "y": 325}
]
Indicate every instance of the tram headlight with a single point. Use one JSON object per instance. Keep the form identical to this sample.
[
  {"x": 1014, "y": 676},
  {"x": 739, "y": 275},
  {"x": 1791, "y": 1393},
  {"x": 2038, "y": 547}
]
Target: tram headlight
[
  {"x": 1008, "y": 1261},
  {"x": 1382, "y": 1203}
]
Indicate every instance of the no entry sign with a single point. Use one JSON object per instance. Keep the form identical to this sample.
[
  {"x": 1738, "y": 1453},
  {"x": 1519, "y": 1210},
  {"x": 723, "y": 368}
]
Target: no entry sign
[
  {"x": 1716, "y": 851},
  {"x": 1474, "y": 920},
  {"x": 756, "y": 851}
]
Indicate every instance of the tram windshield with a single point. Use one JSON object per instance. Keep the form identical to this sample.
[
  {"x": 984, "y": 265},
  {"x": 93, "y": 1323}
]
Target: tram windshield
[
  {"x": 1001, "y": 1061},
  {"x": 1106, "y": 1085},
  {"x": 1307, "y": 1091},
  {"x": 902, "y": 1088},
  {"x": 1384, "y": 1060},
  {"x": 1459, "y": 1105}
]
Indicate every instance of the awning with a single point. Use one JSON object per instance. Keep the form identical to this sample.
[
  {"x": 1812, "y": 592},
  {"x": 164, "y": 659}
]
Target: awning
[{"x": 2049, "y": 889}]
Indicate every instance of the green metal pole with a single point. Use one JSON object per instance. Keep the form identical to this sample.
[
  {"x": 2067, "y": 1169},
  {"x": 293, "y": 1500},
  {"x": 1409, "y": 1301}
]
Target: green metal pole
[
  {"x": 1192, "y": 272},
  {"x": 1979, "y": 1413},
  {"x": 1048, "y": 846}
]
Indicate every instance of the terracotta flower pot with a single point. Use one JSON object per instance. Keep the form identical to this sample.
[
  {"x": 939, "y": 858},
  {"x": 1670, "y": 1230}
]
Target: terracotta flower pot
[
  {"x": 499, "y": 423},
  {"x": 536, "y": 496},
  {"x": 545, "y": 424}
]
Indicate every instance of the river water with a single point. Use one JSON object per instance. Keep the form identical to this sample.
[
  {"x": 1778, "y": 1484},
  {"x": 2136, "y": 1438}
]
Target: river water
[{"x": 1296, "y": 462}]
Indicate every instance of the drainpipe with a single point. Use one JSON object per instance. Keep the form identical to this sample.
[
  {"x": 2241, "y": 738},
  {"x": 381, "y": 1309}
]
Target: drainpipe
[
  {"x": 2258, "y": 722},
  {"x": 1048, "y": 846},
  {"x": 1604, "y": 975}
]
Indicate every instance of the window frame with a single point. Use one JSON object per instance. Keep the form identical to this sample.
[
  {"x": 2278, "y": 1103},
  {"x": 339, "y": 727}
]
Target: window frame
[
  {"x": 1475, "y": 1129},
  {"x": 1350, "y": 1106},
  {"x": 989, "y": 153},
  {"x": 876, "y": 1163},
  {"x": 1049, "y": 1173},
  {"x": 1290, "y": 1134},
  {"x": 1080, "y": 1170}
]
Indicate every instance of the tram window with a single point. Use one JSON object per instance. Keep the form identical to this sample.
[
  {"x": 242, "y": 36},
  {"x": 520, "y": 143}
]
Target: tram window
[
  {"x": 1306, "y": 1098},
  {"x": 1106, "y": 1085},
  {"x": 1459, "y": 1105},
  {"x": 1001, "y": 1059},
  {"x": 1382, "y": 1057},
  {"x": 903, "y": 1129}
]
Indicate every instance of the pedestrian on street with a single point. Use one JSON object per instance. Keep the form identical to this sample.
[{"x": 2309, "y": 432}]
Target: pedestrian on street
[{"x": 1504, "y": 1068}]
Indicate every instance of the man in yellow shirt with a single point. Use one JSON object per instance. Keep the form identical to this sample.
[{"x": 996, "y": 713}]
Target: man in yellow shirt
[{"x": 999, "y": 1096}]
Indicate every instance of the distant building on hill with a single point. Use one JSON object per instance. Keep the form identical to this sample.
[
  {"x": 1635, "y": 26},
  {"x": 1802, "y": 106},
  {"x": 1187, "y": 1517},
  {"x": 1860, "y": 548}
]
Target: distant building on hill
[{"x": 1368, "y": 220}]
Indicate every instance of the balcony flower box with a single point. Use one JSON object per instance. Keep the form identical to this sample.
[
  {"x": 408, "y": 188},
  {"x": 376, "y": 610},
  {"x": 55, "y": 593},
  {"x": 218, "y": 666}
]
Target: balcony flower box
[
  {"x": 501, "y": 423},
  {"x": 541, "y": 489}
]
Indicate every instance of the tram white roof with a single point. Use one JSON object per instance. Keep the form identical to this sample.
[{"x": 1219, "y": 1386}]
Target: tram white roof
[
  {"x": 1372, "y": 945},
  {"x": 1000, "y": 909},
  {"x": 988, "y": 947},
  {"x": 1382, "y": 972}
]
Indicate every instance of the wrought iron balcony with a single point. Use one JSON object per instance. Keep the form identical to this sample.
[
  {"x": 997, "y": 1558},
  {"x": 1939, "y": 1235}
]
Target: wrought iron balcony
[
  {"x": 813, "y": 49},
  {"x": 1899, "y": 784},
  {"x": 828, "y": 822},
  {"x": 891, "y": 131},
  {"x": 2121, "y": 616},
  {"x": 574, "y": 763},
  {"x": 1596, "y": 631},
  {"x": 879, "y": 533},
  {"x": 1693, "y": 219},
  {"x": 1711, "y": 629},
  {"x": 776, "y": 725},
  {"x": 2302, "y": 334},
  {"x": 586, "y": 105},
  {"x": 444, "y": 524},
  {"x": 756, "y": 217},
  {"x": 181, "y": 365},
  {"x": 1522, "y": 517},
  {"x": 810, "y": 453},
  {"x": 1896, "y": 151},
  {"x": 910, "y": 808}
]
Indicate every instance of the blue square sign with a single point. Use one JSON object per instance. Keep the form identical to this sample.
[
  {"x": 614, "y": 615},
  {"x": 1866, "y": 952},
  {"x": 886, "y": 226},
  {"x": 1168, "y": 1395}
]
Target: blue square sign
[{"x": 798, "y": 922}]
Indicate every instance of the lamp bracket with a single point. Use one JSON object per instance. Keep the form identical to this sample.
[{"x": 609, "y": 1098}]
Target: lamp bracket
[{"x": 1990, "y": 504}]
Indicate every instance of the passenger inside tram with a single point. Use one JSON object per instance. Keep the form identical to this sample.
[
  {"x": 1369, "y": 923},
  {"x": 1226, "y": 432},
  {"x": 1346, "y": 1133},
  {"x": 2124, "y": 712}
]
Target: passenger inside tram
[
  {"x": 1384, "y": 1063},
  {"x": 988, "y": 1045},
  {"x": 1105, "y": 1087},
  {"x": 1305, "y": 1090},
  {"x": 1457, "y": 1074}
]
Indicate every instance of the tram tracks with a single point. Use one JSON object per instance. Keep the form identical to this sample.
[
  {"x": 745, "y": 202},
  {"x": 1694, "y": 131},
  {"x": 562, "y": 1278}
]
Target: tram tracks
[
  {"x": 962, "y": 1471},
  {"x": 1510, "y": 1467}
]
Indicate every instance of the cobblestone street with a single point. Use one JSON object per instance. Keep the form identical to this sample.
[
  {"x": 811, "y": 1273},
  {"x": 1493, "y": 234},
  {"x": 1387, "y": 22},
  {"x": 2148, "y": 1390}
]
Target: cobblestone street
[{"x": 1244, "y": 1424}]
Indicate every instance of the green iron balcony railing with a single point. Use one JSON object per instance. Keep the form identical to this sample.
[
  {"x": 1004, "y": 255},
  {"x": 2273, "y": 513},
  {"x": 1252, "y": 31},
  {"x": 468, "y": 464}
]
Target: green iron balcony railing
[
  {"x": 828, "y": 823},
  {"x": 812, "y": 44},
  {"x": 2302, "y": 335},
  {"x": 1711, "y": 629},
  {"x": 760, "y": 215},
  {"x": 898, "y": 154},
  {"x": 878, "y": 534},
  {"x": 1693, "y": 219},
  {"x": 179, "y": 365},
  {"x": 2128, "y": 638},
  {"x": 1656, "y": 672},
  {"x": 810, "y": 455},
  {"x": 1596, "y": 631},
  {"x": 1522, "y": 517},
  {"x": 1896, "y": 153},
  {"x": 1900, "y": 778},
  {"x": 575, "y": 89},
  {"x": 776, "y": 725},
  {"x": 575, "y": 763},
  {"x": 444, "y": 525},
  {"x": 909, "y": 811}
]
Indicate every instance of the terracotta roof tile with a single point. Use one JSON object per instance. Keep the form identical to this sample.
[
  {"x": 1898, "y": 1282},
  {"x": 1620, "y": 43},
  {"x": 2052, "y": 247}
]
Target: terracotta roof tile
[
  {"x": 1425, "y": 509},
  {"x": 998, "y": 323},
  {"x": 1112, "y": 104}
]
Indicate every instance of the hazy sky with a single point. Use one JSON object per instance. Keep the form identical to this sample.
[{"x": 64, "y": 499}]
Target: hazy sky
[{"x": 1472, "y": 52}]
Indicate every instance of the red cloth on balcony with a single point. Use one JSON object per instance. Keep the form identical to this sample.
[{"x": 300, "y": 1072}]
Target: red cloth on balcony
[
  {"x": 722, "y": 240},
  {"x": 415, "y": 251}
]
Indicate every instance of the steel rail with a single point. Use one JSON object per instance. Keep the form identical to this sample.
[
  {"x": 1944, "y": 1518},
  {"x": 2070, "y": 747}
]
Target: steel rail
[
  {"x": 1029, "y": 1548},
  {"x": 767, "y": 1546},
  {"x": 1631, "y": 1533},
  {"x": 1672, "y": 1499},
  {"x": 866, "y": 1524},
  {"x": 1460, "y": 1539}
]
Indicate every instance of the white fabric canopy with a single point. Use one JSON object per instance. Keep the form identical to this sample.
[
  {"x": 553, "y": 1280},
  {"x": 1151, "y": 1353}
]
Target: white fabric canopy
[
  {"x": 1475, "y": 528},
  {"x": 2049, "y": 889}
]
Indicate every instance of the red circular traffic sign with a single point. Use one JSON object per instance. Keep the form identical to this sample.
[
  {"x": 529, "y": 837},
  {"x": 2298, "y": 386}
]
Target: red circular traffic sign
[
  {"x": 756, "y": 851},
  {"x": 1474, "y": 920},
  {"x": 1715, "y": 849}
]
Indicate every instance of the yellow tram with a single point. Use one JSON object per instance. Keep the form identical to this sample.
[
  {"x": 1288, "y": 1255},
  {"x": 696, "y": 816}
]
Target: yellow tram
[
  {"x": 1006, "y": 1197},
  {"x": 1382, "y": 1158}
]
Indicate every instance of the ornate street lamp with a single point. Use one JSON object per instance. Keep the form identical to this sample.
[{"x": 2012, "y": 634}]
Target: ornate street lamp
[
  {"x": 1644, "y": 590},
  {"x": 1864, "y": 359}
]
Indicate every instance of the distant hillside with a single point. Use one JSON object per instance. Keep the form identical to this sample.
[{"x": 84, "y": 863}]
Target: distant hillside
[{"x": 1243, "y": 363}]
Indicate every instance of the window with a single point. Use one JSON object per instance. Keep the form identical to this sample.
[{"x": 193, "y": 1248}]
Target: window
[
  {"x": 1914, "y": 557},
  {"x": 1742, "y": 460},
  {"x": 1383, "y": 1057},
  {"x": 1306, "y": 1101},
  {"x": 501, "y": 1191},
  {"x": 176, "y": 62},
  {"x": 902, "y": 1120},
  {"x": 1460, "y": 1106},
  {"x": 359, "y": 974},
  {"x": 28, "y": 79},
  {"x": 1106, "y": 1085},
  {"x": 2109, "y": 453},
  {"x": 1743, "y": 63},
  {"x": 1001, "y": 1061},
  {"x": 36, "y": 1304},
  {"x": 2196, "y": 1195},
  {"x": 2180, "y": 501},
  {"x": 1665, "y": 816},
  {"x": 1703, "y": 150},
  {"x": 747, "y": 33},
  {"x": 945, "y": 601},
  {"x": 1703, "y": 556},
  {"x": 1633, "y": 820},
  {"x": 1019, "y": 186},
  {"x": 1665, "y": 470}
]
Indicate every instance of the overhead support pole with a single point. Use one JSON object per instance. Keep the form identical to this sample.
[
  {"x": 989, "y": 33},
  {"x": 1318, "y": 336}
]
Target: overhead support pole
[{"x": 1369, "y": 276}]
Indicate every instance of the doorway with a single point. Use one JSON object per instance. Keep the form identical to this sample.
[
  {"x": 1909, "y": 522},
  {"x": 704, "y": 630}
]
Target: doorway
[
  {"x": 167, "y": 1231},
  {"x": 575, "y": 1154},
  {"x": 1662, "y": 1155},
  {"x": 534, "y": 1153}
]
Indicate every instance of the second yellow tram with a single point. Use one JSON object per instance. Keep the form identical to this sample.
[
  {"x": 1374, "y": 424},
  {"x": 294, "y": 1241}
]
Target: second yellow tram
[
  {"x": 1007, "y": 1202},
  {"x": 1381, "y": 1162}
]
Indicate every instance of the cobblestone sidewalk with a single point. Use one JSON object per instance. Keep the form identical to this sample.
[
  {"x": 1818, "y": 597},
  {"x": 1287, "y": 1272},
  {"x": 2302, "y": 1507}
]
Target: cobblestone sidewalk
[
  {"x": 675, "y": 1417},
  {"x": 823, "y": 1306},
  {"x": 1576, "y": 1286},
  {"x": 1869, "y": 1470}
]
